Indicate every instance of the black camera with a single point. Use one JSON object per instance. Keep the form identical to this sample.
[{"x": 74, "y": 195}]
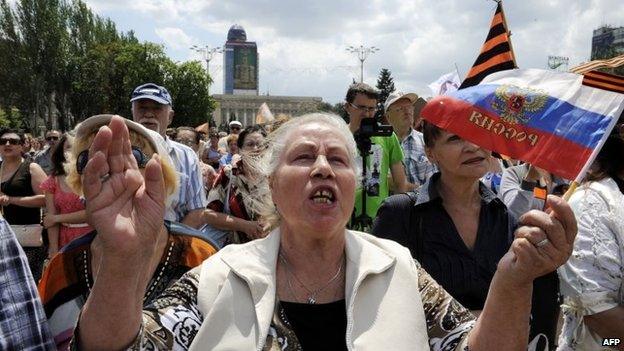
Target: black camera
[{"x": 370, "y": 128}]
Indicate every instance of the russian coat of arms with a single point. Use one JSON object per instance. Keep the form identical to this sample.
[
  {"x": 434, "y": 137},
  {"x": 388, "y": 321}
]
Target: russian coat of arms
[{"x": 514, "y": 103}]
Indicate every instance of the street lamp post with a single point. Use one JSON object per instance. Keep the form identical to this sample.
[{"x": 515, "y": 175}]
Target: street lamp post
[
  {"x": 208, "y": 54},
  {"x": 362, "y": 53}
]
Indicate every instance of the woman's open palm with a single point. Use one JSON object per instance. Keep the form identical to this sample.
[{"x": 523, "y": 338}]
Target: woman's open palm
[{"x": 124, "y": 206}]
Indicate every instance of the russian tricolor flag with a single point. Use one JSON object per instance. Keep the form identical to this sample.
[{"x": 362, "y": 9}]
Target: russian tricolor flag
[{"x": 548, "y": 118}]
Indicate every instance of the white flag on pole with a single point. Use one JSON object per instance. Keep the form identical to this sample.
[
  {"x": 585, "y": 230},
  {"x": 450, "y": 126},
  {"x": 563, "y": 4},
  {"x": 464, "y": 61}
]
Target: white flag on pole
[
  {"x": 264, "y": 115},
  {"x": 445, "y": 84}
]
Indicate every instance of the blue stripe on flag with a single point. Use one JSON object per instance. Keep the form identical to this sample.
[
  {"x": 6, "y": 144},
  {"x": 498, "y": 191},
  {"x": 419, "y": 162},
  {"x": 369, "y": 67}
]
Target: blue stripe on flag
[{"x": 557, "y": 117}]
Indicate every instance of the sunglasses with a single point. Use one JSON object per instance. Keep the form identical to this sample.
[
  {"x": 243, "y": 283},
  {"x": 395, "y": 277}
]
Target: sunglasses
[
  {"x": 83, "y": 158},
  {"x": 235, "y": 128},
  {"x": 50, "y": 138},
  {"x": 11, "y": 141}
]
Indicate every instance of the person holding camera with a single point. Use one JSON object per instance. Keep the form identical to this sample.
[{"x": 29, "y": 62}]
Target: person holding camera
[{"x": 385, "y": 151}]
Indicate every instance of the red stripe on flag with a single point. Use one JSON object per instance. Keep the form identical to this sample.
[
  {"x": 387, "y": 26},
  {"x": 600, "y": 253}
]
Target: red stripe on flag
[{"x": 558, "y": 155}]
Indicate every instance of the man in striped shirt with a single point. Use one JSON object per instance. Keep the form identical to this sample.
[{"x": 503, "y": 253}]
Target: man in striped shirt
[
  {"x": 399, "y": 110},
  {"x": 153, "y": 108}
]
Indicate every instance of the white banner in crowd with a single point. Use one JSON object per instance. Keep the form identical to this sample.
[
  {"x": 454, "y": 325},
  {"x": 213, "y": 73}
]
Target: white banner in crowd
[{"x": 445, "y": 84}]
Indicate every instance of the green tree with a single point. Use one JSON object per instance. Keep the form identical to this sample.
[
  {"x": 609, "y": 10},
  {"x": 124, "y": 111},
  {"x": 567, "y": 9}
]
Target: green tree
[
  {"x": 109, "y": 72},
  {"x": 337, "y": 108},
  {"x": 188, "y": 85},
  {"x": 385, "y": 84},
  {"x": 61, "y": 63},
  {"x": 40, "y": 24}
]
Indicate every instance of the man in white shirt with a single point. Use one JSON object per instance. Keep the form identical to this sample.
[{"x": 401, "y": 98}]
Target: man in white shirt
[{"x": 153, "y": 108}]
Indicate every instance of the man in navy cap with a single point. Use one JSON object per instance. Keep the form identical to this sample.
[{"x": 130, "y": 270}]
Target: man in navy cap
[{"x": 153, "y": 108}]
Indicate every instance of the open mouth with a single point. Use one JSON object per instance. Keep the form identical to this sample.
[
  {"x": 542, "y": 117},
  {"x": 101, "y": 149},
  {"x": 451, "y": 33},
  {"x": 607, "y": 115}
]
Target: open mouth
[{"x": 323, "y": 196}]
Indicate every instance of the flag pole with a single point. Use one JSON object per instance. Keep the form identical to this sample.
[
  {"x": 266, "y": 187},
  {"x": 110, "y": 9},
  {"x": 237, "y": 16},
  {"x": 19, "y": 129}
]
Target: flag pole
[
  {"x": 571, "y": 189},
  {"x": 513, "y": 55}
]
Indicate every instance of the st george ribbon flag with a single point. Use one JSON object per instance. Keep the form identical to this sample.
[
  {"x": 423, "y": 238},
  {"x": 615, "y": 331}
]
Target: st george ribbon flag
[
  {"x": 445, "y": 84},
  {"x": 550, "y": 119}
]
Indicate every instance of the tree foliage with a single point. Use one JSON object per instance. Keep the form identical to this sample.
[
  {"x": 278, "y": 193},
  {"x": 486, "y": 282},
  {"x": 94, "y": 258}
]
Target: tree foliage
[
  {"x": 61, "y": 63},
  {"x": 385, "y": 84}
]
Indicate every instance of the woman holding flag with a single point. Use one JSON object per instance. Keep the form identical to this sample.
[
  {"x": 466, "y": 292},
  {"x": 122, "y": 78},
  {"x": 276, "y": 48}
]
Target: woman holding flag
[{"x": 459, "y": 230}]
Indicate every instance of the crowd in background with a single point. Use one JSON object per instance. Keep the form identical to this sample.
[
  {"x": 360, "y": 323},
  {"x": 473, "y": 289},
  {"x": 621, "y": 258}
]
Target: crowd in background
[{"x": 450, "y": 202}]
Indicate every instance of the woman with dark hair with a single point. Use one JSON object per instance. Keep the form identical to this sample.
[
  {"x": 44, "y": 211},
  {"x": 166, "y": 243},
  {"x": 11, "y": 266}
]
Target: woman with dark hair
[
  {"x": 20, "y": 197},
  {"x": 457, "y": 228},
  {"x": 66, "y": 217},
  {"x": 592, "y": 281},
  {"x": 232, "y": 200}
]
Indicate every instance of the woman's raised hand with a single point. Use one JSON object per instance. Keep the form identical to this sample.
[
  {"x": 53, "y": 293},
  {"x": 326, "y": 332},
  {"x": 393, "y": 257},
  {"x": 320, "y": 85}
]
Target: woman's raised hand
[{"x": 124, "y": 206}]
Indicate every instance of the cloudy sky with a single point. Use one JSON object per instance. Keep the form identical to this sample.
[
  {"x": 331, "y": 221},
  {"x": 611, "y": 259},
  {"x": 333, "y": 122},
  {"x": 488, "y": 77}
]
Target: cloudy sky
[{"x": 302, "y": 43}]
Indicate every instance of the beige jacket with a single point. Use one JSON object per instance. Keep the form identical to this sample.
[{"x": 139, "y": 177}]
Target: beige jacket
[{"x": 237, "y": 293}]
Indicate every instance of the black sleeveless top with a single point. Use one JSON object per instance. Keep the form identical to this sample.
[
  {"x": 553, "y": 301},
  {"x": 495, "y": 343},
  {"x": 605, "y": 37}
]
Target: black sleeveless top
[{"x": 19, "y": 185}]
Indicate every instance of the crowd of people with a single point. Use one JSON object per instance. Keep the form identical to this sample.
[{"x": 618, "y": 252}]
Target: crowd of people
[{"x": 310, "y": 233}]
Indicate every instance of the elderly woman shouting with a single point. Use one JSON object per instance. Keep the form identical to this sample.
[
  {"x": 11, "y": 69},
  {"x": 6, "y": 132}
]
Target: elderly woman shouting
[{"x": 310, "y": 284}]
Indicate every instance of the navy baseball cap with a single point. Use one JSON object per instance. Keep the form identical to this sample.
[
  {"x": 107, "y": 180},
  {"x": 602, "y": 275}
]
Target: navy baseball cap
[{"x": 153, "y": 92}]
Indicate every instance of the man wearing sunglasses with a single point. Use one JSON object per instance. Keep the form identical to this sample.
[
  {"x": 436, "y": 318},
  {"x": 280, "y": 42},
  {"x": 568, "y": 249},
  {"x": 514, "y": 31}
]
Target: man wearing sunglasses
[
  {"x": 386, "y": 154},
  {"x": 43, "y": 157},
  {"x": 152, "y": 107}
]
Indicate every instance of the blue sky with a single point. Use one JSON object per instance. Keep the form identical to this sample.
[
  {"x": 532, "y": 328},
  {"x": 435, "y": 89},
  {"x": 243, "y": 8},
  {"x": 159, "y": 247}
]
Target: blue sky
[{"x": 302, "y": 43}]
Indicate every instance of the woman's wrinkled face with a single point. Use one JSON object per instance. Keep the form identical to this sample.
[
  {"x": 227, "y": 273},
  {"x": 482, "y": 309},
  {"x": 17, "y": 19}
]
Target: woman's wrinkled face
[
  {"x": 458, "y": 157},
  {"x": 314, "y": 183}
]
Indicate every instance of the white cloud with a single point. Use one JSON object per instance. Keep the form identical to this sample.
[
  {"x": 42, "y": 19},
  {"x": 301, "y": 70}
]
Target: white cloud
[
  {"x": 302, "y": 43},
  {"x": 174, "y": 38}
]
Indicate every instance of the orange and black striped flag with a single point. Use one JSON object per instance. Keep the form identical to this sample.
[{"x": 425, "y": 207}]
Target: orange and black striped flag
[
  {"x": 496, "y": 53},
  {"x": 604, "y": 81}
]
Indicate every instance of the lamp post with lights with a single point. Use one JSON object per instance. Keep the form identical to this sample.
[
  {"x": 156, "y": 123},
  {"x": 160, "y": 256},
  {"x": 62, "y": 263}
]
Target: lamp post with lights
[
  {"x": 362, "y": 53},
  {"x": 208, "y": 53}
]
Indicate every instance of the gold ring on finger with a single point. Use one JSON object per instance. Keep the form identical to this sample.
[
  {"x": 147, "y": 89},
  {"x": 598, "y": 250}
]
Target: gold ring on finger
[{"x": 542, "y": 243}]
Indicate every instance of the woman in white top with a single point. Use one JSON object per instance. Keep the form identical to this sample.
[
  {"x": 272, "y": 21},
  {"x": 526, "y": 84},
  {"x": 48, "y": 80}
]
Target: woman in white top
[{"x": 592, "y": 281}]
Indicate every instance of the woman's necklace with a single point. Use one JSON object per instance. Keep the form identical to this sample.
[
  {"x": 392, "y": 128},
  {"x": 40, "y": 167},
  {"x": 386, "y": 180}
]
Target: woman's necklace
[
  {"x": 152, "y": 286},
  {"x": 311, "y": 299}
]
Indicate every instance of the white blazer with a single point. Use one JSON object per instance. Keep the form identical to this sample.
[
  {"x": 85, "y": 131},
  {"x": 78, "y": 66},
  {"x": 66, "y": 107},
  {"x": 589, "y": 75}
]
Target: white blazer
[{"x": 237, "y": 291}]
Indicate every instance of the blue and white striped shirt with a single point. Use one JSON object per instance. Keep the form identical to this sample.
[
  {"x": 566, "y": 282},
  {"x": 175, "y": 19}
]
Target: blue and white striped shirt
[
  {"x": 417, "y": 165},
  {"x": 191, "y": 195}
]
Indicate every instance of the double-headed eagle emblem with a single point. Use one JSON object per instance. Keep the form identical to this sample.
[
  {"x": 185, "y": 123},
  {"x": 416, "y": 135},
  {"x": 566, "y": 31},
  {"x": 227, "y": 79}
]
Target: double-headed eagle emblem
[{"x": 514, "y": 104}]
